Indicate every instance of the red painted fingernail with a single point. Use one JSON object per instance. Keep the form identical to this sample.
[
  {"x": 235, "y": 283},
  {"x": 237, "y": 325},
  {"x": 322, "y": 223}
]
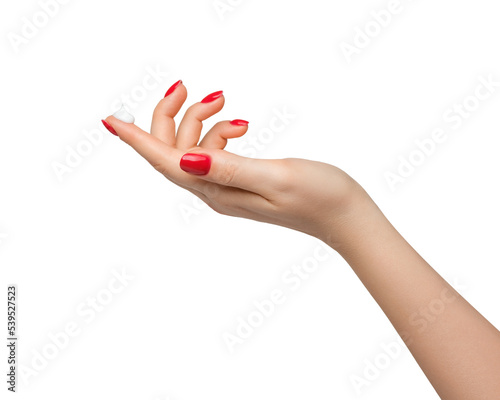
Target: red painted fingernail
[
  {"x": 212, "y": 96},
  {"x": 172, "y": 88},
  {"x": 109, "y": 127},
  {"x": 239, "y": 122},
  {"x": 196, "y": 164}
]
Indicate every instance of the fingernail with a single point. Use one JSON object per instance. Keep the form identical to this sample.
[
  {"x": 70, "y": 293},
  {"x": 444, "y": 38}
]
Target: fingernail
[
  {"x": 172, "y": 88},
  {"x": 109, "y": 127},
  {"x": 212, "y": 96},
  {"x": 239, "y": 122},
  {"x": 196, "y": 164}
]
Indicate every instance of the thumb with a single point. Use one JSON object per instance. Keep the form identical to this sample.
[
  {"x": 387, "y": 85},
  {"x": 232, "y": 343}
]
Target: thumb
[{"x": 228, "y": 169}]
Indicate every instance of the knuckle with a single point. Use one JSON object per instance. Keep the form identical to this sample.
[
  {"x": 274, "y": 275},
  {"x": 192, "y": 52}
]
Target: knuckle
[
  {"x": 159, "y": 167},
  {"x": 211, "y": 191},
  {"x": 192, "y": 112},
  {"x": 157, "y": 111},
  {"x": 218, "y": 206},
  {"x": 217, "y": 198},
  {"x": 219, "y": 125},
  {"x": 132, "y": 137},
  {"x": 284, "y": 173},
  {"x": 227, "y": 173}
]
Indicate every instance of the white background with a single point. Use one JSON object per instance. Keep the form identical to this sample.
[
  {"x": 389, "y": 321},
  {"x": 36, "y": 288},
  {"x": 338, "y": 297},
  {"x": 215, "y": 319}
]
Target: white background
[{"x": 194, "y": 275}]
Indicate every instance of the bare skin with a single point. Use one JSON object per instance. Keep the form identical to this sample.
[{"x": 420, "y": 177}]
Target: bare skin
[{"x": 456, "y": 347}]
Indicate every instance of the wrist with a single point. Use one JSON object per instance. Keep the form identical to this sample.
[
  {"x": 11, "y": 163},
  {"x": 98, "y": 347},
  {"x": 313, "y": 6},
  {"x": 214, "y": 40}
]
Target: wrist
[{"x": 361, "y": 223}]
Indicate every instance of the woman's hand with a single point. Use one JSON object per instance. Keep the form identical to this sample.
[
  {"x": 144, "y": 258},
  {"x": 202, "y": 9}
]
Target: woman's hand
[
  {"x": 307, "y": 196},
  {"x": 457, "y": 348}
]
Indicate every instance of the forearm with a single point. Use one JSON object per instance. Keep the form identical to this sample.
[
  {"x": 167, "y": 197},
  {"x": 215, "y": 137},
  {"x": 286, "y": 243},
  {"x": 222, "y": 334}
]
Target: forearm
[
  {"x": 316, "y": 198},
  {"x": 457, "y": 348}
]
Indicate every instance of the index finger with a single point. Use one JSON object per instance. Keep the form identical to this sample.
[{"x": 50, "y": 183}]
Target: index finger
[{"x": 161, "y": 156}]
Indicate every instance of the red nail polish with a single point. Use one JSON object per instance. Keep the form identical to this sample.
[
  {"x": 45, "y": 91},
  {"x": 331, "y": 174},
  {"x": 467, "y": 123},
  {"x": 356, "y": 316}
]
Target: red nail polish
[
  {"x": 239, "y": 122},
  {"x": 109, "y": 127},
  {"x": 172, "y": 88},
  {"x": 196, "y": 164},
  {"x": 212, "y": 96}
]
